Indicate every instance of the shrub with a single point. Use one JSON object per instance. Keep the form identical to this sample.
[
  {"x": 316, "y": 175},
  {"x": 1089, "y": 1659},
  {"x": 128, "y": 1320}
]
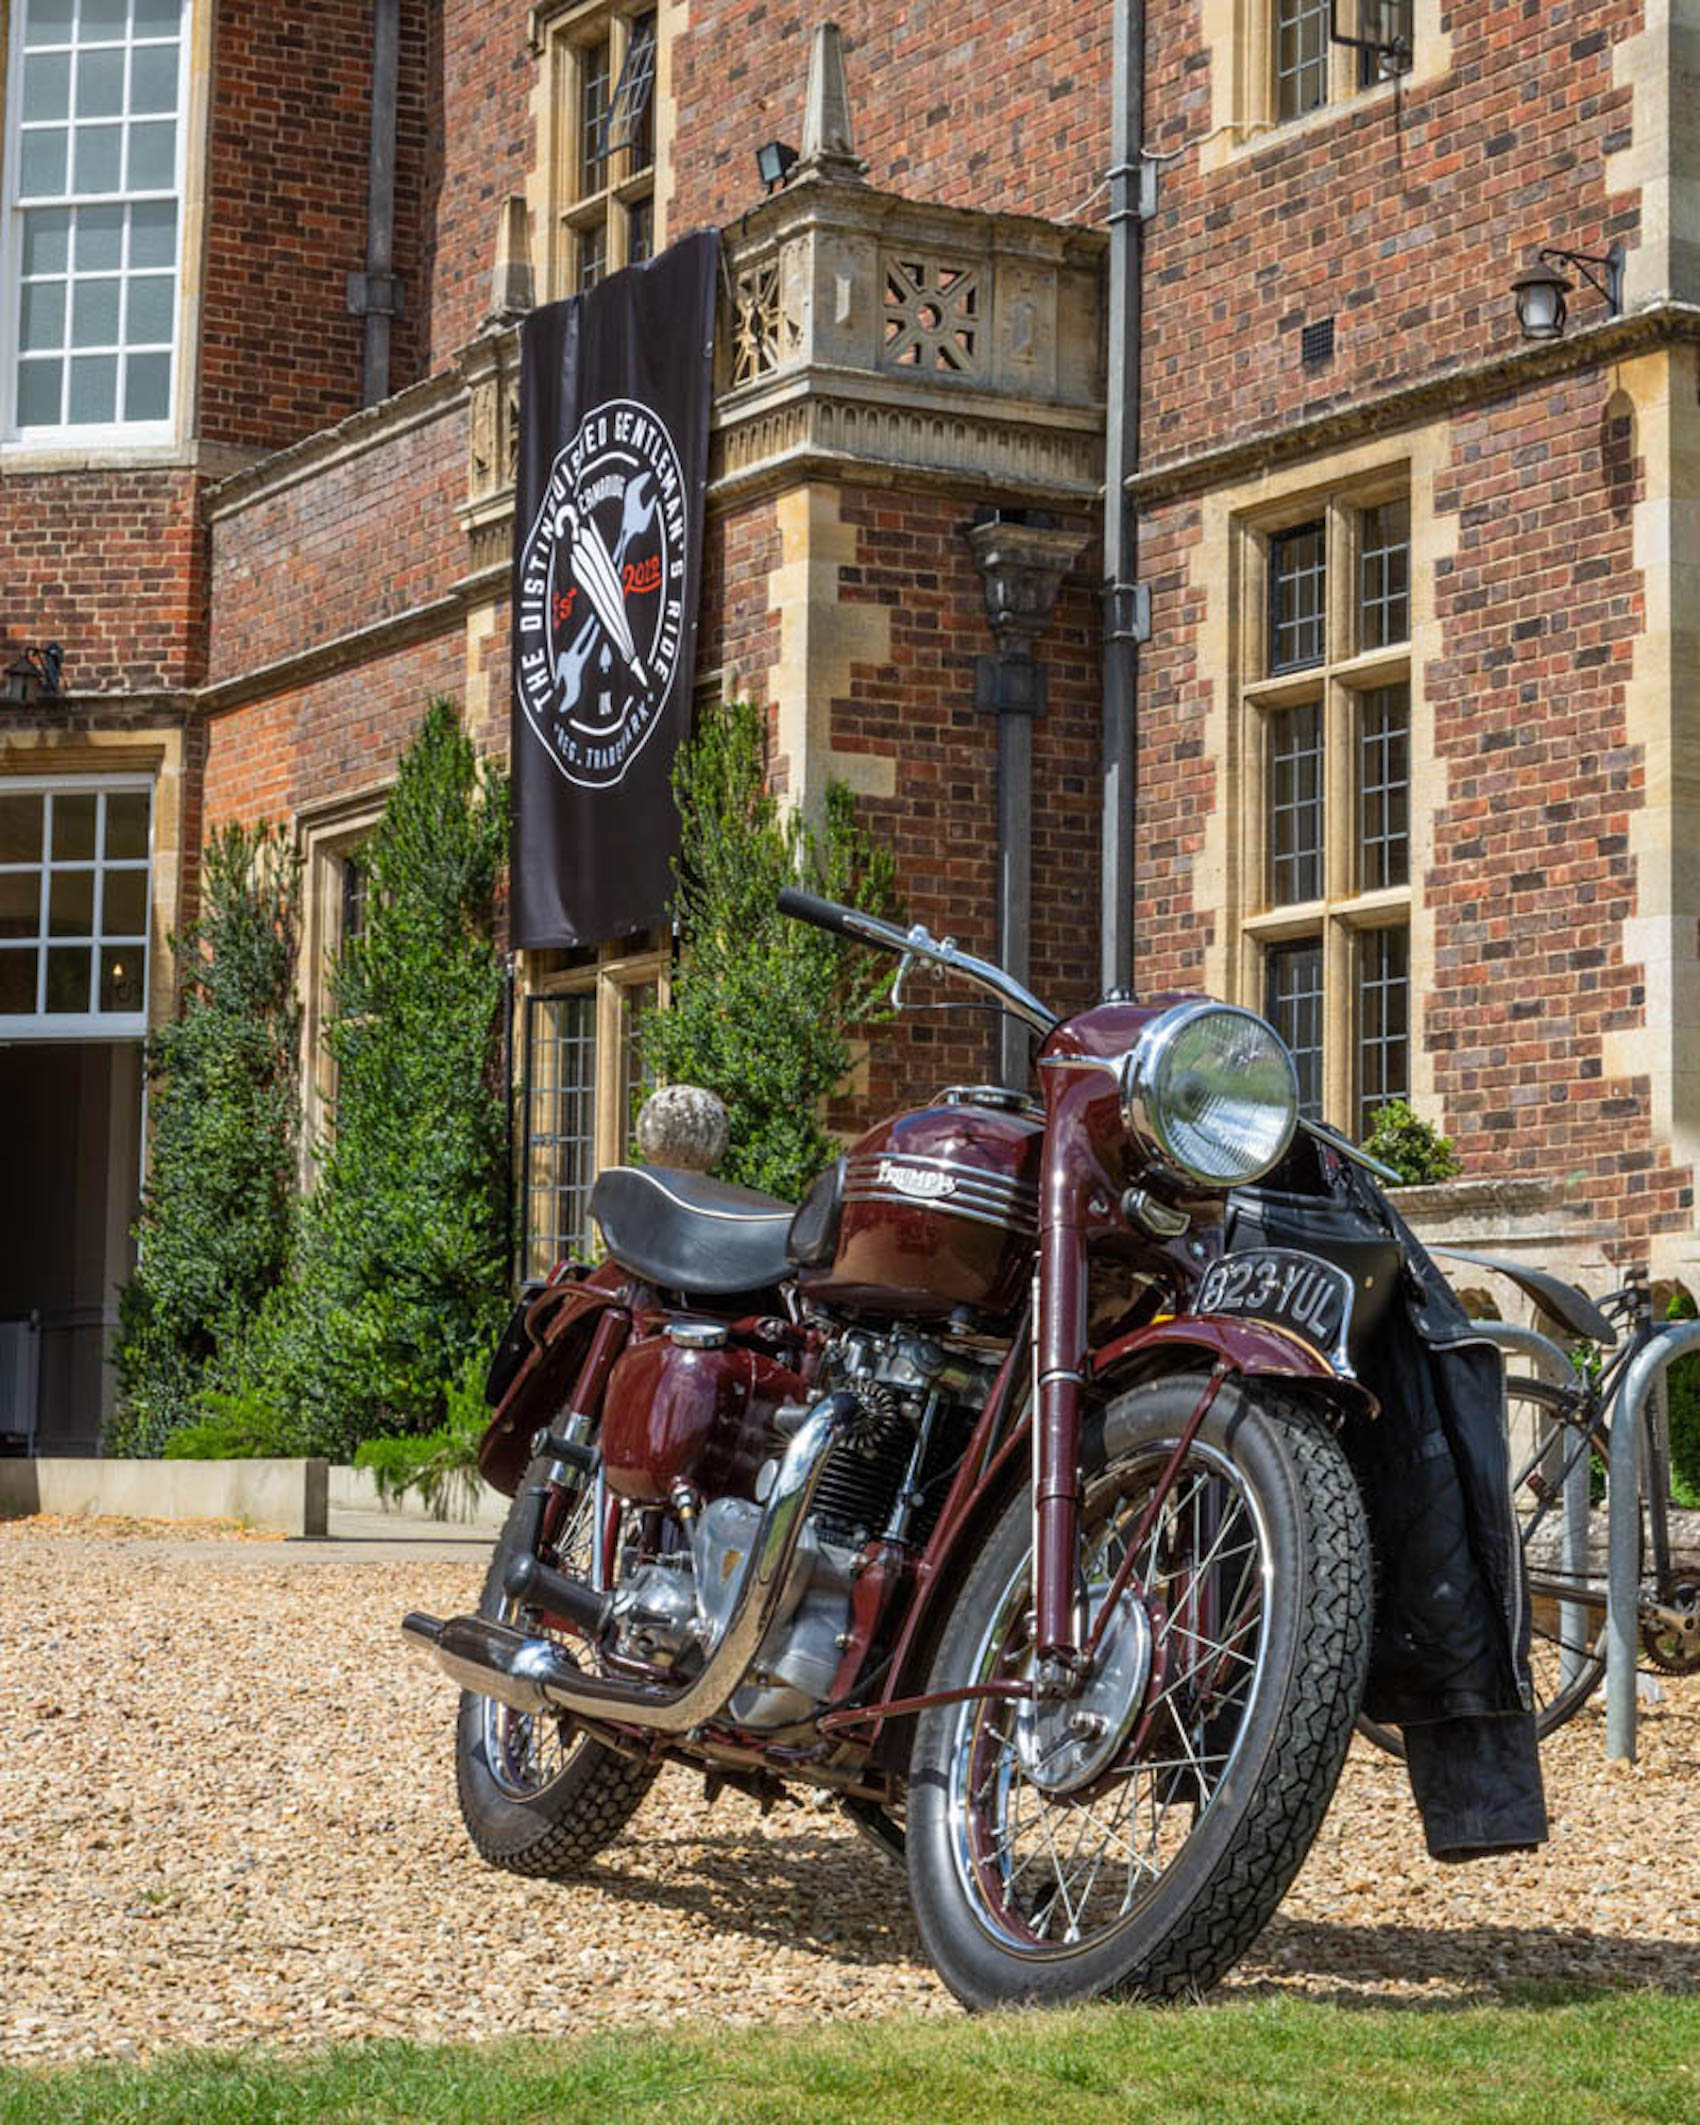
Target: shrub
[
  {"x": 400, "y": 1270},
  {"x": 762, "y": 1004},
  {"x": 214, "y": 1230},
  {"x": 1682, "y": 1411},
  {"x": 1415, "y": 1149},
  {"x": 441, "y": 1465}
]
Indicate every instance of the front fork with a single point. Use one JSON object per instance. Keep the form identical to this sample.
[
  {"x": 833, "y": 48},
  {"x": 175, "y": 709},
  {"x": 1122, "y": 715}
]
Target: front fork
[{"x": 1067, "y": 1640}]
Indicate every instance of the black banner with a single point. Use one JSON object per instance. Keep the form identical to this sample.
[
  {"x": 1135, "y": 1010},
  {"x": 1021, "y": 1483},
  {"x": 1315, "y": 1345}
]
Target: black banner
[{"x": 615, "y": 389}]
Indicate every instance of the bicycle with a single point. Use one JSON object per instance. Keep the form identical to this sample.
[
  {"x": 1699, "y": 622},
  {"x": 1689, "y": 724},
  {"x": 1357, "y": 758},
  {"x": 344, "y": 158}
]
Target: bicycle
[{"x": 1559, "y": 1420}]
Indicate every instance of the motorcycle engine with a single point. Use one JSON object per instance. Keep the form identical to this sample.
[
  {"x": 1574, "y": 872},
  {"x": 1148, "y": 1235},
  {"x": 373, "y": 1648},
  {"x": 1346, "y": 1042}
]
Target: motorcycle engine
[{"x": 886, "y": 1481}]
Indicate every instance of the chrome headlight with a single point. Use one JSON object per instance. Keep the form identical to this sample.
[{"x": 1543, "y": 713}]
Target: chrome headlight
[{"x": 1213, "y": 1090}]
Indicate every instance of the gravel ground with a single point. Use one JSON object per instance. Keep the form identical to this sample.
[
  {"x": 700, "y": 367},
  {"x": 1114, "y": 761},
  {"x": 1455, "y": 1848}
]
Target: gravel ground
[{"x": 227, "y": 1818}]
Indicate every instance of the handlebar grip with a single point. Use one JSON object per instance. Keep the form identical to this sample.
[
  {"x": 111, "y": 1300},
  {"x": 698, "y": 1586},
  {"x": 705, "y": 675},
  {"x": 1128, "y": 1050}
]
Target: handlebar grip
[{"x": 810, "y": 907}]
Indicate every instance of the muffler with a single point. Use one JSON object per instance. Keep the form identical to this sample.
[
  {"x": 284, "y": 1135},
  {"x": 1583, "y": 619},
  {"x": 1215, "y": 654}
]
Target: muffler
[{"x": 537, "y": 1674}]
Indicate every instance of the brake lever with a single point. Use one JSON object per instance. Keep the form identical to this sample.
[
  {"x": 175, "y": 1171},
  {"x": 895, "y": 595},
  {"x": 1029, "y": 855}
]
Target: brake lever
[{"x": 904, "y": 965}]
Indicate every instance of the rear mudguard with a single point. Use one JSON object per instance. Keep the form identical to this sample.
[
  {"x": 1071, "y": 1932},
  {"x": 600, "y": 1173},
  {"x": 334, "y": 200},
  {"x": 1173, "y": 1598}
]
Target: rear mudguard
[{"x": 1251, "y": 1349}]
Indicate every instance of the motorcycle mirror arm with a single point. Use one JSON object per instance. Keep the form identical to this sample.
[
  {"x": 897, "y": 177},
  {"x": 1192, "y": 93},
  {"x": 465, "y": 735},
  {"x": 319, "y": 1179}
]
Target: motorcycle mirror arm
[{"x": 1347, "y": 1149}]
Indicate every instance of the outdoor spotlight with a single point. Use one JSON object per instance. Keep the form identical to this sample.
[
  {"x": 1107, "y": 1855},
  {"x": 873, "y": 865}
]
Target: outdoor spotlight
[
  {"x": 34, "y": 671},
  {"x": 1541, "y": 288},
  {"x": 775, "y": 161}
]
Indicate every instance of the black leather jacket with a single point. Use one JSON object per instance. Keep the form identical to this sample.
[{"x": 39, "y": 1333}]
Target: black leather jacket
[{"x": 1449, "y": 1655}]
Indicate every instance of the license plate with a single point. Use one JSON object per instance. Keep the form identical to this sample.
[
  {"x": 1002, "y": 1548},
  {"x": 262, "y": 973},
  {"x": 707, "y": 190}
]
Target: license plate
[{"x": 1296, "y": 1291}]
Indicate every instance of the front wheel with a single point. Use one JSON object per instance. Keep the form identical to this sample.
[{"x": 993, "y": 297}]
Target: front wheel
[
  {"x": 537, "y": 1796},
  {"x": 1239, "y": 1653}
]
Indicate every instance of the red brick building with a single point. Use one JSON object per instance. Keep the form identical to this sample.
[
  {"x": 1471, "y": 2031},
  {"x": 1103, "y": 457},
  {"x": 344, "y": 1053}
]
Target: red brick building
[{"x": 1409, "y": 702}]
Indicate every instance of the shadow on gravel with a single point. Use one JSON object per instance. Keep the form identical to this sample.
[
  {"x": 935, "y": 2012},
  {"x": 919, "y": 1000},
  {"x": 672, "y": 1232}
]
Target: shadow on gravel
[
  {"x": 1485, "y": 1962},
  {"x": 806, "y": 1890}
]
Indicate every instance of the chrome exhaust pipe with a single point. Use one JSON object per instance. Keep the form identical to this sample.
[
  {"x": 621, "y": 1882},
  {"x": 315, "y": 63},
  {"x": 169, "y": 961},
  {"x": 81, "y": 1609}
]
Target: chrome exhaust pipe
[{"x": 537, "y": 1674}]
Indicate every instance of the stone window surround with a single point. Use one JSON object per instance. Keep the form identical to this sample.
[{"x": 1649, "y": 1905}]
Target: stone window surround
[
  {"x": 1342, "y": 912},
  {"x": 619, "y": 968},
  {"x": 1237, "y": 522},
  {"x": 559, "y": 33},
  {"x": 110, "y": 446},
  {"x": 325, "y": 835},
  {"x": 156, "y": 755},
  {"x": 1239, "y": 36}
]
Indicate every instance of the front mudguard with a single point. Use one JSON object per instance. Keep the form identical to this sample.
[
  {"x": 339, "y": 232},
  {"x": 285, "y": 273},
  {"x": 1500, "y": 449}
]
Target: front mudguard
[
  {"x": 1247, "y": 1349},
  {"x": 1250, "y": 1349}
]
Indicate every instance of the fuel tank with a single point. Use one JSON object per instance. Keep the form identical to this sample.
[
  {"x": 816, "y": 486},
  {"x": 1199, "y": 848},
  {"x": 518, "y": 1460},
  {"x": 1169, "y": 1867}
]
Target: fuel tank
[{"x": 937, "y": 1209}]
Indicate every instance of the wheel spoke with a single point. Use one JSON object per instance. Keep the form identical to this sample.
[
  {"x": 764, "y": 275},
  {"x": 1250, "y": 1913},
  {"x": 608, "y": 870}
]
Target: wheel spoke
[{"x": 1064, "y": 1869}]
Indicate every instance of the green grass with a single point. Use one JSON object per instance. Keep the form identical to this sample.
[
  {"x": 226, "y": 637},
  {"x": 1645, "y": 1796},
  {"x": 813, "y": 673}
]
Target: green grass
[{"x": 1621, "y": 2056}]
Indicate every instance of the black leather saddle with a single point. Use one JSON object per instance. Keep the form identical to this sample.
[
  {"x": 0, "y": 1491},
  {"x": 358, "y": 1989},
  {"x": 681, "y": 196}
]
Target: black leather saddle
[{"x": 686, "y": 1232}]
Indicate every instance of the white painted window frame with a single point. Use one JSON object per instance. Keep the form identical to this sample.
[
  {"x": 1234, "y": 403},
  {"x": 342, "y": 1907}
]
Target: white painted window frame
[
  {"x": 43, "y": 1025},
  {"x": 106, "y": 435}
]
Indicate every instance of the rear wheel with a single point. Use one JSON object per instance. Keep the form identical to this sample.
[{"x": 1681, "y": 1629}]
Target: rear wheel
[
  {"x": 1558, "y": 1493},
  {"x": 1052, "y": 1862},
  {"x": 537, "y": 1796}
]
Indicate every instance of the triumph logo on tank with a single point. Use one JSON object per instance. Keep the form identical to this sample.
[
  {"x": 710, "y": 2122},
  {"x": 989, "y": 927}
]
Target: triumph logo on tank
[{"x": 601, "y": 604}]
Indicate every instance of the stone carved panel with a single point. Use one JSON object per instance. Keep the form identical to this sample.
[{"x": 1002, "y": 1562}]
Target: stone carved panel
[
  {"x": 934, "y": 316},
  {"x": 492, "y": 382},
  {"x": 756, "y": 320}
]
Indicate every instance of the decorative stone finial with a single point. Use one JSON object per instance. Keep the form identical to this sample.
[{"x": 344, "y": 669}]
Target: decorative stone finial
[
  {"x": 827, "y": 148},
  {"x": 513, "y": 287},
  {"x": 682, "y": 1125}
]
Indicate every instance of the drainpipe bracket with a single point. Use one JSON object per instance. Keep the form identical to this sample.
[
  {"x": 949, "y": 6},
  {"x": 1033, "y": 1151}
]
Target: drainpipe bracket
[
  {"x": 1133, "y": 190},
  {"x": 1127, "y": 612},
  {"x": 374, "y": 294},
  {"x": 1009, "y": 684}
]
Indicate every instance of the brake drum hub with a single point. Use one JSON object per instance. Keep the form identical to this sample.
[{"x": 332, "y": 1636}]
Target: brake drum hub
[{"x": 1065, "y": 1743}]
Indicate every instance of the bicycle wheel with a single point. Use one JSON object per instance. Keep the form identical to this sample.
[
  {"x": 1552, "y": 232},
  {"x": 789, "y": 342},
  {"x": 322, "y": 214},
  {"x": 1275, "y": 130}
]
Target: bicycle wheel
[{"x": 1558, "y": 1492}]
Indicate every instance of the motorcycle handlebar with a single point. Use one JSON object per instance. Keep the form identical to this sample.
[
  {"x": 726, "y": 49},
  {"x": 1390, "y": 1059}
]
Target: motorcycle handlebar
[
  {"x": 810, "y": 907},
  {"x": 914, "y": 944}
]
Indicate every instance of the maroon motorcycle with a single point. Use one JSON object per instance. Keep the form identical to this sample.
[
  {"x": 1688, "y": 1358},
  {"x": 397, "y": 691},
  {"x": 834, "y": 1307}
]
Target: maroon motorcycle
[{"x": 984, "y": 1490}]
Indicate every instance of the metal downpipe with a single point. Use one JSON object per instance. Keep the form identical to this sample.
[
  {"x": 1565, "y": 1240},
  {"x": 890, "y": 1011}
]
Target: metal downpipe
[
  {"x": 536, "y": 1674},
  {"x": 1121, "y": 460}
]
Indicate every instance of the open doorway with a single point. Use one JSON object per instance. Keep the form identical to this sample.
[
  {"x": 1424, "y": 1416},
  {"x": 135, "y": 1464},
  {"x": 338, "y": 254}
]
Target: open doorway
[{"x": 71, "y": 1178}]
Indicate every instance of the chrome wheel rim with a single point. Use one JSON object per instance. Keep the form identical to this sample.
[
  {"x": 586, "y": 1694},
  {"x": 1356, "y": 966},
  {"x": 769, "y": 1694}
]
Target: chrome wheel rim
[{"x": 1049, "y": 1876}]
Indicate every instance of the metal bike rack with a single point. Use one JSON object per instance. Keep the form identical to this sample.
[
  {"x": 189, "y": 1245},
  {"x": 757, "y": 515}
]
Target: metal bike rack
[
  {"x": 1623, "y": 1584},
  {"x": 1552, "y": 1361}
]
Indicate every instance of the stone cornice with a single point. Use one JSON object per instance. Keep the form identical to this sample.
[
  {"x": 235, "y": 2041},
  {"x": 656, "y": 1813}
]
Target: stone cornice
[
  {"x": 821, "y": 203},
  {"x": 323, "y": 660},
  {"x": 845, "y": 424},
  {"x": 1387, "y": 412},
  {"x": 370, "y": 429}
]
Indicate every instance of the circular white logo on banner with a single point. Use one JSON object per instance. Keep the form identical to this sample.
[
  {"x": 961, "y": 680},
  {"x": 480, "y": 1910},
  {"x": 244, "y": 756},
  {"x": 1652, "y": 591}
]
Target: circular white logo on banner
[{"x": 600, "y": 613}]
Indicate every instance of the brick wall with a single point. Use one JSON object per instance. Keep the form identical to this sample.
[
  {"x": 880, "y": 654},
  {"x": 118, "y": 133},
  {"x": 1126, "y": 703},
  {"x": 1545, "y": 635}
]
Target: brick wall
[
  {"x": 370, "y": 536},
  {"x": 488, "y": 74},
  {"x": 918, "y": 710},
  {"x": 1401, "y": 216},
  {"x": 109, "y": 563},
  {"x": 739, "y": 632},
  {"x": 1178, "y": 785},
  {"x": 1533, "y": 882},
  {"x": 269, "y": 759},
  {"x": 1003, "y": 106}
]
